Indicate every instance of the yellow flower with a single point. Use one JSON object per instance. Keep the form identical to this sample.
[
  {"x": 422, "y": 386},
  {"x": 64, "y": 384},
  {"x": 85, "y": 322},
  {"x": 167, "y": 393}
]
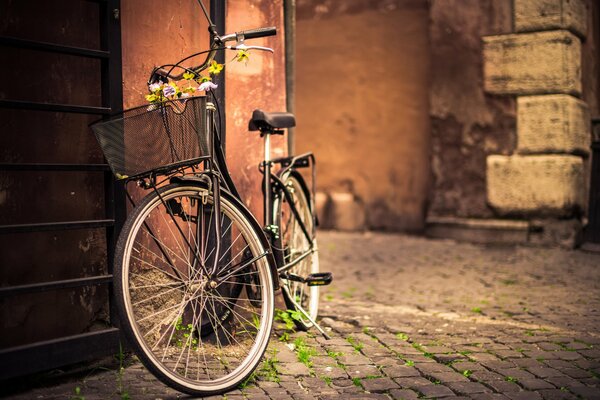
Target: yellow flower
[
  {"x": 189, "y": 75},
  {"x": 151, "y": 97},
  {"x": 215, "y": 68},
  {"x": 242, "y": 55}
]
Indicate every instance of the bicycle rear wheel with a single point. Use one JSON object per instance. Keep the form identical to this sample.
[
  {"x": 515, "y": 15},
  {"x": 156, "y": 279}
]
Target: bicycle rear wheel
[
  {"x": 194, "y": 328},
  {"x": 295, "y": 246}
]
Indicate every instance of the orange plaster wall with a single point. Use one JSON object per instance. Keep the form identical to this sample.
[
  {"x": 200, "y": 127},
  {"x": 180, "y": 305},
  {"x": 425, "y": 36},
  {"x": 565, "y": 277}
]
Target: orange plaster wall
[
  {"x": 152, "y": 35},
  {"x": 259, "y": 84},
  {"x": 155, "y": 32}
]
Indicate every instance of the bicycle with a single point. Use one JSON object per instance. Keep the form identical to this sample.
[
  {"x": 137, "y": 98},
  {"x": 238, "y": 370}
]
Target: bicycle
[{"x": 195, "y": 274}]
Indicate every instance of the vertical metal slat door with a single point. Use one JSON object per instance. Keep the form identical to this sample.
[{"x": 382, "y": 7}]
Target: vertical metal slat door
[{"x": 60, "y": 211}]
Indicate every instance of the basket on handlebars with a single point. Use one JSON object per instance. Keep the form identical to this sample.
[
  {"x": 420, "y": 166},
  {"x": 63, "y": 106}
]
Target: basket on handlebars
[{"x": 152, "y": 137}]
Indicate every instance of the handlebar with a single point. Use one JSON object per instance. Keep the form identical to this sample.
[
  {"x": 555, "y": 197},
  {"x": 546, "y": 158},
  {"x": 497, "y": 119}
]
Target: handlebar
[{"x": 160, "y": 74}]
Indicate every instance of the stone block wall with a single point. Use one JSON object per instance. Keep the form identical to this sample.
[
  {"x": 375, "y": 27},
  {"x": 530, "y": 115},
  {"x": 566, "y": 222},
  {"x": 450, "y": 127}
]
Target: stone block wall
[{"x": 541, "y": 64}]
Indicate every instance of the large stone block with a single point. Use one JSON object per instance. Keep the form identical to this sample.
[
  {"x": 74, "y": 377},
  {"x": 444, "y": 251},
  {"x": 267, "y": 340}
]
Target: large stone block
[
  {"x": 535, "y": 185},
  {"x": 532, "y": 63},
  {"x": 552, "y": 124},
  {"x": 542, "y": 15}
]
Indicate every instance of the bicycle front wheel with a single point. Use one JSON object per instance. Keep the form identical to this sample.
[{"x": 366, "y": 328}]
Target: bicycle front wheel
[
  {"x": 199, "y": 329},
  {"x": 297, "y": 249}
]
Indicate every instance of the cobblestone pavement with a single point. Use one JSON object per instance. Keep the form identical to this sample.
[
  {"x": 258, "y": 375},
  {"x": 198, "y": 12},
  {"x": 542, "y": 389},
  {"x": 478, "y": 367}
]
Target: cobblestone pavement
[{"x": 416, "y": 318}]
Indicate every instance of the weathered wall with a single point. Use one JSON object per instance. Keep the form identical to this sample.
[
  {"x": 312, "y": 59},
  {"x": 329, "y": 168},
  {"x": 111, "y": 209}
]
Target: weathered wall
[
  {"x": 362, "y": 106},
  {"x": 467, "y": 124},
  {"x": 153, "y": 36},
  {"x": 259, "y": 84},
  {"x": 51, "y": 196}
]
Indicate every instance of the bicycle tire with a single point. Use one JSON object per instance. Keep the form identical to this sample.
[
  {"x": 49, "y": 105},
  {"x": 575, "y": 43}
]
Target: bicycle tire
[
  {"x": 294, "y": 243},
  {"x": 196, "y": 338}
]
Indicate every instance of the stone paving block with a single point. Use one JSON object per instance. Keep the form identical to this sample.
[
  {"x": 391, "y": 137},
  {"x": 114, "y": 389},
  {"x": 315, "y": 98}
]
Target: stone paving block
[
  {"x": 379, "y": 385},
  {"x": 587, "y": 364},
  {"x": 541, "y": 354},
  {"x": 403, "y": 394},
  {"x": 412, "y": 382},
  {"x": 568, "y": 355},
  {"x": 468, "y": 388},
  {"x": 353, "y": 359},
  {"x": 293, "y": 368},
  {"x": 446, "y": 377},
  {"x": 524, "y": 395},
  {"x": 508, "y": 354},
  {"x": 558, "y": 364},
  {"x": 483, "y": 357},
  {"x": 362, "y": 371},
  {"x": 428, "y": 368},
  {"x": 577, "y": 346},
  {"x": 535, "y": 384},
  {"x": 516, "y": 373},
  {"x": 576, "y": 373},
  {"x": 556, "y": 394},
  {"x": 544, "y": 372},
  {"x": 589, "y": 393},
  {"x": 435, "y": 391},
  {"x": 592, "y": 353},
  {"x": 401, "y": 371},
  {"x": 488, "y": 396},
  {"x": 495, "y": 365},
  {"x": 486, "y": 376},
  {"x": 503, "y": 386},
  {"x": 467, "y": 365},
  {"x": 564, "y": 381},
  {"x": 549, "y": 346},
  {"x": 330, "y": 372}
]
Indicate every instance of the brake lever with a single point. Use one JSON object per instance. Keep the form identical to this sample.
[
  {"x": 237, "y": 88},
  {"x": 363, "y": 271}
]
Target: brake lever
[{"x": 242, "y": 46}]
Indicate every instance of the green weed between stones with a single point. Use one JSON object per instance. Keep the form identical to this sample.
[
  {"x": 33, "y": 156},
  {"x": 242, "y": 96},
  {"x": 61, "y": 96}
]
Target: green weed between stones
[
  {"x": 511, "y": 379},
  {"x": 356, "y": 382},
  {"x": 120, "y": 388},
  {"x": 355, "y": 343},
  {"x": 477, "y": 310},
  {"x": 467, "y": 373},
  {"x": 402, "y": 336},
  {"x": 268, "y": 370},
  {"x": 77, "y": 395},
  {"x": 422, "y": 350},
  {"x": 304, "y": 352}
]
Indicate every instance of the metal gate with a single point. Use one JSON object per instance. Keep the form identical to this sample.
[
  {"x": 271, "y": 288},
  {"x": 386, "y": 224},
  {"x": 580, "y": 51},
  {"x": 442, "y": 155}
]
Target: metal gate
[{"x": 59, "y": 209}]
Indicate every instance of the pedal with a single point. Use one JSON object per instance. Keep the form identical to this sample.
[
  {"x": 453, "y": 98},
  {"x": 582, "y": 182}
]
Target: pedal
[{"x": 319, "y": 279}]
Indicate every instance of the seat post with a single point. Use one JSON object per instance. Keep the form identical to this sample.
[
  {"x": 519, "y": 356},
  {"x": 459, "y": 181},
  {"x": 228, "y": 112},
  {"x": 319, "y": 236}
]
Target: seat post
[{"x": 268, "y": 217}]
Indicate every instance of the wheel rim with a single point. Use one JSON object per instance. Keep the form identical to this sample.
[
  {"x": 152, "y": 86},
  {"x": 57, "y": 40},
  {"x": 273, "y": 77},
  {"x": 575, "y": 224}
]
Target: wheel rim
[
  {"x": 203, "y": 333},
  {"x": 296, "y": 244}
]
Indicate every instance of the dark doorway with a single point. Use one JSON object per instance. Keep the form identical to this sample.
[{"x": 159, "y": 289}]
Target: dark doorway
[{"x": 61, "y": 70}]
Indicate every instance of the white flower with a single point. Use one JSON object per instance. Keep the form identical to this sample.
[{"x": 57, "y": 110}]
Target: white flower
[
  {"x": 168, "y": 91},
  {"x": 154, "y": 86},
  {"x": 206, "y": 86}
]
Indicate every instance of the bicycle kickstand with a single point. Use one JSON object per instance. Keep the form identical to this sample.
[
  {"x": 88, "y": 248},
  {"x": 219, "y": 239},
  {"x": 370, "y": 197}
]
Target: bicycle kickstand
[{"x": 299, "y": 308}]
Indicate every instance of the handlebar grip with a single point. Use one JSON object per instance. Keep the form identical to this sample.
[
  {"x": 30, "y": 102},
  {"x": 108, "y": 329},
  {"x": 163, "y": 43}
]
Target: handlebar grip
[{"x": 258, "y": 32}]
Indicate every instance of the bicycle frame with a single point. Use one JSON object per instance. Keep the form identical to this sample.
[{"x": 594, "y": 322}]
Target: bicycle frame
[{"x": 274, "y": 185}]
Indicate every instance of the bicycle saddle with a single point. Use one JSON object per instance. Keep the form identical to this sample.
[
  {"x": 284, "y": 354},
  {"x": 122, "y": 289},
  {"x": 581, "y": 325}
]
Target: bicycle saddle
[{"x": 269, "y": 121}]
